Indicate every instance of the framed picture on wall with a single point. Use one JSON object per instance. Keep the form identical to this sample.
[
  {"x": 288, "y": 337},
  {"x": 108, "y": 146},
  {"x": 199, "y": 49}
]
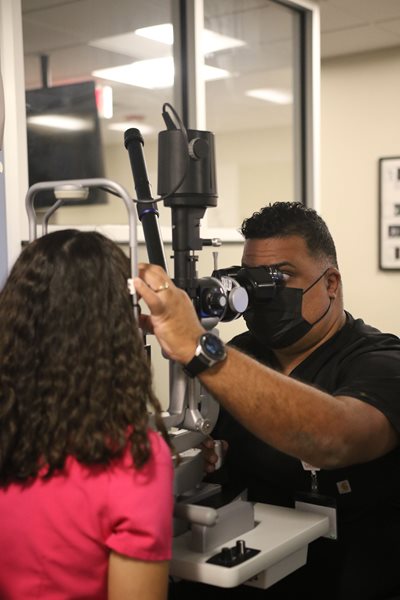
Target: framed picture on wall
[{"x": 389, "y": 213}]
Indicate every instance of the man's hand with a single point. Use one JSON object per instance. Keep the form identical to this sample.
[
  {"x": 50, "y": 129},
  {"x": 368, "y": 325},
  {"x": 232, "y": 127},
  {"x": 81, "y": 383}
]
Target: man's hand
[
  {"x": 173, "y": 319},
  {"x": 211, "y": 458}
]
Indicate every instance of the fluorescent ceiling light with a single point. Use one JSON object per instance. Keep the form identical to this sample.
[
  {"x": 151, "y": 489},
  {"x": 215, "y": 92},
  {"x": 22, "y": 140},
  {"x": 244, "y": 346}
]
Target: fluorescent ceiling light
[
  {"x": 155, "y": 73},
  {"x": 270, "y": 95},
  {"x": 211, "y": 40},
  {"x": 130, "y": 44},
  {"x": 152, "y": 74},
  {"x": 158, "y": 33},
  {"x": 143, "y": 128},
  {"x": 61, "y": 122},
  {"x": 213, "y": 73}
]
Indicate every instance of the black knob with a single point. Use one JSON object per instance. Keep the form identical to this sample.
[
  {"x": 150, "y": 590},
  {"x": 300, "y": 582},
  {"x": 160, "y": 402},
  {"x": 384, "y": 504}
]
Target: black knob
[
  {"x": 198, "y": 148},
  {"x": 227, "y": 555}
]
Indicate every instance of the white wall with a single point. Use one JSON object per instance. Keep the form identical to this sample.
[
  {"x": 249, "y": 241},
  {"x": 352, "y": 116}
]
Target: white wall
[{"x": 360, "y": 123}]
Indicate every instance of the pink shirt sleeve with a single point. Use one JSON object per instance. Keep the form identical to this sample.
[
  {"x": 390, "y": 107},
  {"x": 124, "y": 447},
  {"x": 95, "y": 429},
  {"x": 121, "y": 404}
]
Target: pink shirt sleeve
[{"x": 140, "y": 505}]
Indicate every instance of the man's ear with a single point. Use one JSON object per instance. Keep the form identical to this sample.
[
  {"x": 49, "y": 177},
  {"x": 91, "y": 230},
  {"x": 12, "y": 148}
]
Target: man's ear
[{"x": 333, "y": 281}]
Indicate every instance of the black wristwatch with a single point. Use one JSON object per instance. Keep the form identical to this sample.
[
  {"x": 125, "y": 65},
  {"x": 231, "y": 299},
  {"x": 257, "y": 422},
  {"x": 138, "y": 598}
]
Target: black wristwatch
[{"x": 210, "y": 351}]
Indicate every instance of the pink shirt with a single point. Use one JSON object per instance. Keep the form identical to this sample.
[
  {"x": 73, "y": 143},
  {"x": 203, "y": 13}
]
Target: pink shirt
[{"x": 56, "y": 535}]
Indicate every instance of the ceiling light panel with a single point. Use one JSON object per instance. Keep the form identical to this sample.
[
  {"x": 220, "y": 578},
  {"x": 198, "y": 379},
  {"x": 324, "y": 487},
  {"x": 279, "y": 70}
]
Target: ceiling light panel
[
  {"x": 211, "y": 40},
  {"x": 156, "y": 73},
  {"x": 61, "y": 122},
  {"x": 271, "y": 95}
]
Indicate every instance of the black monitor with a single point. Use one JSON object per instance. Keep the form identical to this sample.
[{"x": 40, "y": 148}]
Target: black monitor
[{"x": 64, "y": 140}]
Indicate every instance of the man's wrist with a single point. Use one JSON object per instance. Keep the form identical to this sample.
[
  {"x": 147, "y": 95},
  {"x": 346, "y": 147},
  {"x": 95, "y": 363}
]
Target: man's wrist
[
  {"x": 210, "y": 350},
  {"x": 187, "y": 349}
]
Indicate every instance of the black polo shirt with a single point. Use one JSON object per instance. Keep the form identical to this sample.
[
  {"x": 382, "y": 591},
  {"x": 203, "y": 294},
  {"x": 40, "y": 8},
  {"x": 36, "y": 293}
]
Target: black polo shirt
[{"x": 361, "y": 362}]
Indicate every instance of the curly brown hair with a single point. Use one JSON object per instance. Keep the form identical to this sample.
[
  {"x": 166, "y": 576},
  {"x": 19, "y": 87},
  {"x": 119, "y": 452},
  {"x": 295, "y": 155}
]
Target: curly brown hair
[{"x": 74, "y": 376}]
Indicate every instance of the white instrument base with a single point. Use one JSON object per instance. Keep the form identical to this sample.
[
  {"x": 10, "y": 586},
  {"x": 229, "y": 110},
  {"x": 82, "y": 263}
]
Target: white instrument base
[{"x": 281, "y": 534}]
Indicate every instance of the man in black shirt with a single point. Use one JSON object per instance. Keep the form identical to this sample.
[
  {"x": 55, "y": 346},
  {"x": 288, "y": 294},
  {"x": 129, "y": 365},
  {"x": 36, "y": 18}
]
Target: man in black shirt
[
  {"x": 322, "y": 415},
  {"x": 357, "y": 362}
]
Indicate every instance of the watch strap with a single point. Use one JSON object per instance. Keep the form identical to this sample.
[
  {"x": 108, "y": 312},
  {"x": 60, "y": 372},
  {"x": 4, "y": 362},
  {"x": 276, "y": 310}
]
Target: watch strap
[{"x": 197, "y": 365}]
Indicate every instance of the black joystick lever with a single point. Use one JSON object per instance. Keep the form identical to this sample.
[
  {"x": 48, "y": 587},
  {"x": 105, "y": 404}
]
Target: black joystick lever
[{"x": 234, "y": 555}]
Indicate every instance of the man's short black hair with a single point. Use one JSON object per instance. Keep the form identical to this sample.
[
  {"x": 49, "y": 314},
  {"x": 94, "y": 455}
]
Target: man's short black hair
[{"x": 282, "y": 219}]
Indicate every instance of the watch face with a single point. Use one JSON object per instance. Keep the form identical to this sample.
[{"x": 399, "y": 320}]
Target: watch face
[
  {"x": 212, "y": 346},
  {"x": 209, "y": 351}
]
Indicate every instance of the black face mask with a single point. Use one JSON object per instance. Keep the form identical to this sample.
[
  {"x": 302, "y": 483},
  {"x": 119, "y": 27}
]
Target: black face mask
[{"x": 278, "y": 323}]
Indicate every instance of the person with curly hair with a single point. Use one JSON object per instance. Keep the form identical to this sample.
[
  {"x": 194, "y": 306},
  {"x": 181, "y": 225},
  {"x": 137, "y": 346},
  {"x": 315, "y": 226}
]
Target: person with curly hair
[{"x": 85, "y": 483}]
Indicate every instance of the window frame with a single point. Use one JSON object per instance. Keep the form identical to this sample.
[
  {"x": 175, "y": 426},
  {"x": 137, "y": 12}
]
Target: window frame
[{"x": 190, "y": 87}]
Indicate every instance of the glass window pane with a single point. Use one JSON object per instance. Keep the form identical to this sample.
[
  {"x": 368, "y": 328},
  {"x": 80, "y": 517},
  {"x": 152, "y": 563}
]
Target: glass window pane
[
  {"x": 112, "y": 47},
  {"x": 249, "y": 105}
]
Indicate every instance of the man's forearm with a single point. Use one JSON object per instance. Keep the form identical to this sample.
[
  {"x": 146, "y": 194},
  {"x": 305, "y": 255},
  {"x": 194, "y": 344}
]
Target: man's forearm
[{"x": 296, "y": 418}]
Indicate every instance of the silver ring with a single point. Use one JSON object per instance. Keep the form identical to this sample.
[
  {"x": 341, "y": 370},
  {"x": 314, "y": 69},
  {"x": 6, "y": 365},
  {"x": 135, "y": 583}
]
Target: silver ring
[{"x": 163, "y": 286}]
